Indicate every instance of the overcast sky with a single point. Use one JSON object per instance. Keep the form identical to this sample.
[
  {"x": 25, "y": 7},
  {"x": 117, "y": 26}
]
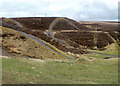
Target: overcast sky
[{"x": 91, "y": 10}]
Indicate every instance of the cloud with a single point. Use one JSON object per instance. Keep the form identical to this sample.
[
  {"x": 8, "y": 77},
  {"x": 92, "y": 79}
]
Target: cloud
[
  {"x": 97, "y": 11},
  {"x": 40, "y": 15},
  {"x": 3, "y": 14},
  {"x": 78, "y": 9},
  {"x": 21, "y": 13}
]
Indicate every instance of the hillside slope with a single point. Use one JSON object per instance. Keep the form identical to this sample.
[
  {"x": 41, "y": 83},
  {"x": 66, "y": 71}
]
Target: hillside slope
[
  {"x": 63, "y": 33},
  {"x": 18, "y": 44},
  {"x": 111, "y": 27}
]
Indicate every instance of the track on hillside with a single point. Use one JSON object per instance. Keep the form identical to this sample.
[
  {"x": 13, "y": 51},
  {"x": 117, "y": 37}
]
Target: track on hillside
[{"x": 41, "y": 42}]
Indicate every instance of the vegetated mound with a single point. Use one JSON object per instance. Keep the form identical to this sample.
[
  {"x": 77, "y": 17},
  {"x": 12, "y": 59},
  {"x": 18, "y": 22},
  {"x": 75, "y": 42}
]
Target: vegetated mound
[
  {"x": 36, "y": 23},
  {"x": 17, "y": 44},
  {"x": 44, "y": 23},
  {"x": 63, "y": 30},
  {"x": 66, "y": 24}
]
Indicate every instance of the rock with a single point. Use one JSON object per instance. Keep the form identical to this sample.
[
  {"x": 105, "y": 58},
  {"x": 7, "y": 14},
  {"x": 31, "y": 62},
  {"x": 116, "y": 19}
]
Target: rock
[{"x": 33, "y": 67}]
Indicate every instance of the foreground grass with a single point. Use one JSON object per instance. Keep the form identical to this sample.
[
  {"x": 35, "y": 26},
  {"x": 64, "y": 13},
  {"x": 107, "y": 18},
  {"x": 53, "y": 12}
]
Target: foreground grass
[{"x": 16, "y": 70}]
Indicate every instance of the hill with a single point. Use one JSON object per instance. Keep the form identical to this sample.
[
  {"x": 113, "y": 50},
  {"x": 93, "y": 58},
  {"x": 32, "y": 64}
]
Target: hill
[
  {"x": 65, "y": 34},
  {"x": 56, "y": 50},
  {"x": 17, "y": 44},
  {"x": 111, "y": 27}
]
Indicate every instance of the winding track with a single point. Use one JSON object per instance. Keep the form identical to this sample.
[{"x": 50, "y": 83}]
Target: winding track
[
  {"x": 37, "y": 40},
  {"x": 54, "y": 22},
  {"x": 41, "y": 42},
  {"x": 117, "y": 56}
]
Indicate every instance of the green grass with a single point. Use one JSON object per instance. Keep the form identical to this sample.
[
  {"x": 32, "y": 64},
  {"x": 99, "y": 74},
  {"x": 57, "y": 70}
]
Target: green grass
[
  {"x": 95, "y": 55},
  {"x": 22, "y": 70}
]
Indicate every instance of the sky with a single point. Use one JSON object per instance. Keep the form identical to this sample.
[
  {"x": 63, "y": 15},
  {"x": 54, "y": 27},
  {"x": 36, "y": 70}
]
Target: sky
[{"x": 81, "y": 10}]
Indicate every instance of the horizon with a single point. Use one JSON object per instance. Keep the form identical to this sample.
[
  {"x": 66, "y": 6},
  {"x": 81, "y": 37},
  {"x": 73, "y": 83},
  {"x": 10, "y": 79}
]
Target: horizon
[
  {"x": 78, "y": 10},
  {"x": 69, "y": 18}
]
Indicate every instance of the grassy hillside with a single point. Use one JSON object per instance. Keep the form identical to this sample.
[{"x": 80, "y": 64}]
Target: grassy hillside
[
  {"x": 18, "y": 44},
  {"x": 22, "y": 70}
]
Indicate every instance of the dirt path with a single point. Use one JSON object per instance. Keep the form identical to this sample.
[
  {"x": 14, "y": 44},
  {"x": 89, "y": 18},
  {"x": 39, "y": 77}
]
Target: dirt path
[
  {"x": 118, "y": 56},
  {"x": 59, "y": 19}
]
